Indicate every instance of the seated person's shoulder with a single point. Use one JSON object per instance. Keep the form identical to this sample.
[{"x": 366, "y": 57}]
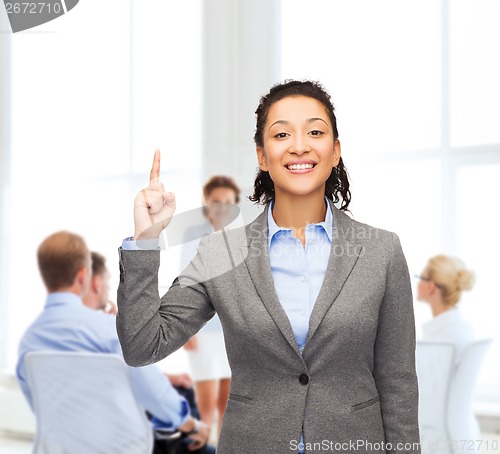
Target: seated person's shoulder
[{"x": 103, "y": 325}]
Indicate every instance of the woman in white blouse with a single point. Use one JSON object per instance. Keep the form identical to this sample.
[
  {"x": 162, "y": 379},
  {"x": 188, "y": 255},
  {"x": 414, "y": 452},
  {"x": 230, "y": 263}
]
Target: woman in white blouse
[
  {"x": 441, "y": 284},
  {"x": 206, "y": 351}
]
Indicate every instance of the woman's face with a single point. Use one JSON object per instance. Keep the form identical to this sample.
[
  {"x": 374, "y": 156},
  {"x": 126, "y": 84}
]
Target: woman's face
[
  {"x": 299, "y": 149},
  {"x": 424, "y": 286},
  {"x": 219, "y": 203}
]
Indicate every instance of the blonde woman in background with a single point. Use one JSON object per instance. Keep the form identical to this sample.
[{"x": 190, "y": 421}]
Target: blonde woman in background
[
  {"x": 441, "y": 284},
  {"x": 206, "y": 351}
]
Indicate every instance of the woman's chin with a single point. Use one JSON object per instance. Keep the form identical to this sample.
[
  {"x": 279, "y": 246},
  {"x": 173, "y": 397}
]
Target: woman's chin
[{"x": 301, "y": 191}]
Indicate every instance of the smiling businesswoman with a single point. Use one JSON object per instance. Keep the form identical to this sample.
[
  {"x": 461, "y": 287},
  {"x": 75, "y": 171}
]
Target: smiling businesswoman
[{"x": 316, "y": 308}]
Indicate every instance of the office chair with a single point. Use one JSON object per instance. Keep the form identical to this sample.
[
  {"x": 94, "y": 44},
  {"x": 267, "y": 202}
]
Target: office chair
[
  {"x": 446, "y": 417},
  {"x": 462, "y": 422},
  {"x": 434, "y": 364},
  {"x": 84, "y": 404}
]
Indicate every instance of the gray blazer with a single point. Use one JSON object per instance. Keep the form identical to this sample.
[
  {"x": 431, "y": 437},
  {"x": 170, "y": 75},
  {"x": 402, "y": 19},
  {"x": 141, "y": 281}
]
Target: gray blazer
[{"x": 353, "y": 388}]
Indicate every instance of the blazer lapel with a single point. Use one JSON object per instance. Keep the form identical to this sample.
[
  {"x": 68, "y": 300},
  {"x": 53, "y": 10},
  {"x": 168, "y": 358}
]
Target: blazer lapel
[
  {"x": 343, "y": 256},
  {"x": 257, "y": 261}
]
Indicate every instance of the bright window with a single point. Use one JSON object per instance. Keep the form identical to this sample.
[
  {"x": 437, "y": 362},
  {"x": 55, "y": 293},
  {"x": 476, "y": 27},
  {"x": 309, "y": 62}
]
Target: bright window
[
  {"x": 475, "y": 72},
  {"x": 415, "y": 85},
  {"x": 478, "y": 220},
  {"x": 91, "y": 100},
  {"x": 383, "y": 73}
]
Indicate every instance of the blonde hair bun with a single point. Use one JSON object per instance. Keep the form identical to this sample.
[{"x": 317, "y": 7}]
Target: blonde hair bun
[
  {"x": 465, "y": 279},
  {"x": 451, "y": 276}
]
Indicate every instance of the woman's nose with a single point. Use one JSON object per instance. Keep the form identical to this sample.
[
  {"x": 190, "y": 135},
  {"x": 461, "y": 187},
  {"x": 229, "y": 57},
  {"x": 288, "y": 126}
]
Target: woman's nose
[{"x": 299, "y": 145}]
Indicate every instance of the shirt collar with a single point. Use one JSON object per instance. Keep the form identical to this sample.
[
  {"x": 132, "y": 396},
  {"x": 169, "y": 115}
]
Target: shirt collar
[
  {"x": 62, "y": 298},
  {"x": 273, "y": 228}
]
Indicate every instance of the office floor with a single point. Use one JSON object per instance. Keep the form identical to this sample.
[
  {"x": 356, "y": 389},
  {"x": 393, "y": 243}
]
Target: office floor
[{"x": 10, "y": 445}]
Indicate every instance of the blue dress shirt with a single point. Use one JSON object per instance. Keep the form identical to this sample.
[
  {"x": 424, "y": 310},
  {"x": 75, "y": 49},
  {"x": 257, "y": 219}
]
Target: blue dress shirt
[
  {"x": 65, "y": 324},
  {"x": 298, "y": 271}
]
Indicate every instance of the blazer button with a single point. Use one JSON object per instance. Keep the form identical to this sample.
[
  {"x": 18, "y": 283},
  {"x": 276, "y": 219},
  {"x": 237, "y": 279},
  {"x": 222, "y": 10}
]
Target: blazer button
[{"x": 303, "y": 379}]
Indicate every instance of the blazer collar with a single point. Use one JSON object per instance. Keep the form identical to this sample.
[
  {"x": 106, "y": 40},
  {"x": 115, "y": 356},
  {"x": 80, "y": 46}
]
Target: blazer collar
[{"x": 343, "y": 256}]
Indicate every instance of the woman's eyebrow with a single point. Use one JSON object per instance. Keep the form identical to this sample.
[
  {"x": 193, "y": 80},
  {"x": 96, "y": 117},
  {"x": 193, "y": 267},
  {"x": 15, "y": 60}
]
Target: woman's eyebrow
[
  {"x": 315, "y": 119},
  {"x": 309, "y": 120},
  {"x": 279, "y": 122}
]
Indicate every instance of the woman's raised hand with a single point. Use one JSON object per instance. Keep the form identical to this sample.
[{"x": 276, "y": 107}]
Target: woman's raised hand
[{"x": 153, "y": 207}]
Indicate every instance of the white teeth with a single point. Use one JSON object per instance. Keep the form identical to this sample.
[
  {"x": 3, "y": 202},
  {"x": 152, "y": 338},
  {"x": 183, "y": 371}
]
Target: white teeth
[{"x": 300, "y": 166}]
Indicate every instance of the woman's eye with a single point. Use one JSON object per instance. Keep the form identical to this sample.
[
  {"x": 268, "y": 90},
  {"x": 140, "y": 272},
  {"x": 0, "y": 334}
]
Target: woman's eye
[
  {"x": 316, "y": 132},
  {"x": 281, "y": 135}
]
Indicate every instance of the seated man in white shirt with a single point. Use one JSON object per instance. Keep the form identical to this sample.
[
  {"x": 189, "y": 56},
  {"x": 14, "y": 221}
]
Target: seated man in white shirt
[{"x": 66, "y": 324}]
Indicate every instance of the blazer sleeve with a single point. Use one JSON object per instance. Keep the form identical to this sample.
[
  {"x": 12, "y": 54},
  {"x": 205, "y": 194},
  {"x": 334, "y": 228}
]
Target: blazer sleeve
[
  {"x": 150, "y": 328},
  {"x": 394, "y": 358}
]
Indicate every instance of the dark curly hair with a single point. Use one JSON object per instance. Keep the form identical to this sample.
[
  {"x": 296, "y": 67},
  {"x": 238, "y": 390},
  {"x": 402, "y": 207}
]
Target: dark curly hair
[{"x": 337, "y": 184}]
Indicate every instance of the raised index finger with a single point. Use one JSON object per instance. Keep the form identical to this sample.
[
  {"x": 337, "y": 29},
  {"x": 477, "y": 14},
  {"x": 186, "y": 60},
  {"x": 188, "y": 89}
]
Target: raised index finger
[{"x": 154, "y": 176}]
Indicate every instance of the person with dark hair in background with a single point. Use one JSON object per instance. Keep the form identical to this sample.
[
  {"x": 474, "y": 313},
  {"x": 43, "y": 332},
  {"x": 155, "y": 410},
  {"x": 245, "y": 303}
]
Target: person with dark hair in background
[
  {"x": 97, "y": 298},
  {"x": 316, "y": 308},
  {"x": 98, "y": 292},
  {"x": 66, "y": 324},
  {"x": 206, "y": 351}
]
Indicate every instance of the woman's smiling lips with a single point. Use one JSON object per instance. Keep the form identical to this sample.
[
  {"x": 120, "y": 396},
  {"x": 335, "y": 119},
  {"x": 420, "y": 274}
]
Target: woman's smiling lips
[{"x": 300, "y": 166}]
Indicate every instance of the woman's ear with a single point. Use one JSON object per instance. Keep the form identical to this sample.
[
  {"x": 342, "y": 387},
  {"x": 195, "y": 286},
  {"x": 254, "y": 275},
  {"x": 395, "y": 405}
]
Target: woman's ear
[
  {"x": 433, "y": 288},
  {"x": 261, "y": 156},
  {"x": 336, "y": 153}
]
